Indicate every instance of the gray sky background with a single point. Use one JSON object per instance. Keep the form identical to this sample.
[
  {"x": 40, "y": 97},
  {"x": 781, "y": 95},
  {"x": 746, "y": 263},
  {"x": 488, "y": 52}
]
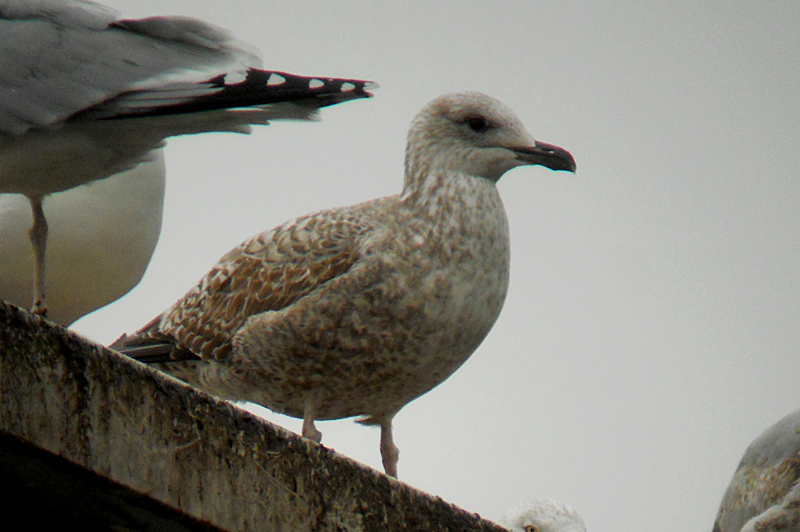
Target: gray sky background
[{"x": 652, "y": 328}]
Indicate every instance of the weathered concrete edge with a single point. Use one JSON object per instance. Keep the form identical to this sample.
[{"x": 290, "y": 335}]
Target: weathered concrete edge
[
  {"x": 189, "y": 450},
  {"x": 42, "y": 491}
]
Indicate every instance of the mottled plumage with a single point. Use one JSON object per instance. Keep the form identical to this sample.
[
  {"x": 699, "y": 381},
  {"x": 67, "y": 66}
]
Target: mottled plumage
[
  {"x": 85, "y": 95},
  {"x": 357, "y": 311},
  {"x": 764, "y": 494},
  {"x": 543, "y": 515}
]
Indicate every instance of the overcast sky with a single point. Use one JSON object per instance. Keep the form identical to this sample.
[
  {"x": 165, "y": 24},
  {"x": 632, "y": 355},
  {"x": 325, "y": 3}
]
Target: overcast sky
[{"x": 652, "y": 328}]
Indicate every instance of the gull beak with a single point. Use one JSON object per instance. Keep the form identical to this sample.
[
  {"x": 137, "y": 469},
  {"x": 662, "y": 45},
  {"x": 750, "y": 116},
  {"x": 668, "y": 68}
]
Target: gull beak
[{"x": 547, "y": 155}]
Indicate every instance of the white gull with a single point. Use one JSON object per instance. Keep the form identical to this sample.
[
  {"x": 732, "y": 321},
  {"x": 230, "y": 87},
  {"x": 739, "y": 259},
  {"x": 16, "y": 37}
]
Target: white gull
[
  {"x": 764, "y": 494},
  {"x": 85, "y": 94},
  {"x": 356, "y": 311},
  {"x": 102, "y": 236},
  {"x": 543, "y": 515}
]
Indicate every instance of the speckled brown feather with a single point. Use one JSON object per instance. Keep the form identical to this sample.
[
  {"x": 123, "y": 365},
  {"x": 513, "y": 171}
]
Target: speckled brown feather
[
  {"x": 764, "y": 493},
  {"x": 357, "y": 311},
  {"x": 266, "y": 273}
]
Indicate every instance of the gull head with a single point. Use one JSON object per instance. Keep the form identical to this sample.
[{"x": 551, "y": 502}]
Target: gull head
[
  {"x": 475, "y": 134},
  {"x": 543, "y": 515}
]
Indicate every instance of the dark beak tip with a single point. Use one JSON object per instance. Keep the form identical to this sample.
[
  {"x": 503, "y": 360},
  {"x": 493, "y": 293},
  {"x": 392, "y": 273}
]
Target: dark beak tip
[
  {"x": 571, "y": 166},
  {"x": 564, "y": 161},
  {"x": 550, "y": 156}
]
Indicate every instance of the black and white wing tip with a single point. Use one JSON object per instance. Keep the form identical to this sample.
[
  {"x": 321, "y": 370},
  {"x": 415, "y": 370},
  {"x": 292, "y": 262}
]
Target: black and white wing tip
[{"x": 258, "y": 88}]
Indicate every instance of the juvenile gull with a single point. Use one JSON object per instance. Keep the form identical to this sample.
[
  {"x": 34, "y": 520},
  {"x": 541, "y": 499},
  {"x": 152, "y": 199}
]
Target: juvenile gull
[
  {"x": 102, "y": 237},
  {"x": 543, "y": 515},
  {"x": 764, "y": 493},
  {"x": 356, "y": 311},
  {"x": 85, "y": 95}
]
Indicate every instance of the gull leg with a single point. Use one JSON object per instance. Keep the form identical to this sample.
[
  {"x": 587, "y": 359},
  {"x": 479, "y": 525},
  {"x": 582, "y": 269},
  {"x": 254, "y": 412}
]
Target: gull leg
[
  {"x": 390, "y": 454},
  {"x": 38, "y": 236},
  {"x": 309, "y": 430}
]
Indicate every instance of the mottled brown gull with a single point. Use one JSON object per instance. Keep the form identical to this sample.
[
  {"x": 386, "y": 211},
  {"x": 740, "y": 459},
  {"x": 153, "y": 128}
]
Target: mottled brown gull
[
  {"x": 357, "y": 311},
  {"x": 543, "y": 515},
  {"x": 85, "y": 95},
  {"x": 764, "y": 494}
]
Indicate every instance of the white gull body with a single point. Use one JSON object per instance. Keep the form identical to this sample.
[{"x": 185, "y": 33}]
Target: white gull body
[
  {"x": 764, "y": 494},
  {"x": 85, "y": 95},
  {"x": 357, "y": 311},
  {"x": 543, "y": 515},
  {"x": 102, "y": 236}
]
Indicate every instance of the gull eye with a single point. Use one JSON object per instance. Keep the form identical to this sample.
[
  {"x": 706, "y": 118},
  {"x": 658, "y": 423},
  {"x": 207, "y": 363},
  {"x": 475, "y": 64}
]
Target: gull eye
[
  {"x": 478, "y": 124},
  {"x": 531, "y": 528}
]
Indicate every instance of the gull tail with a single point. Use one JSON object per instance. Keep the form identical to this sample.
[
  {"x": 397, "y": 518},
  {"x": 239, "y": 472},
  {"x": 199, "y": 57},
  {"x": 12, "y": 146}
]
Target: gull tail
[{"x": 149, "y": 347}]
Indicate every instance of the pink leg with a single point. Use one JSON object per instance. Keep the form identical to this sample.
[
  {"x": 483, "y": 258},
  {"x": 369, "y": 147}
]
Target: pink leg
[
  {"x": 38, "y": 237},
  {"x": 390, "y": 454},
  {"x": 309, "y": 430}
]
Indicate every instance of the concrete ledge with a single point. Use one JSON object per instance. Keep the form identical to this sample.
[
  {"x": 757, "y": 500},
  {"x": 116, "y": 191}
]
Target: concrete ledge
[
  {"x": 194, "y": 453},
  {"x": 42, "y": 491}
]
